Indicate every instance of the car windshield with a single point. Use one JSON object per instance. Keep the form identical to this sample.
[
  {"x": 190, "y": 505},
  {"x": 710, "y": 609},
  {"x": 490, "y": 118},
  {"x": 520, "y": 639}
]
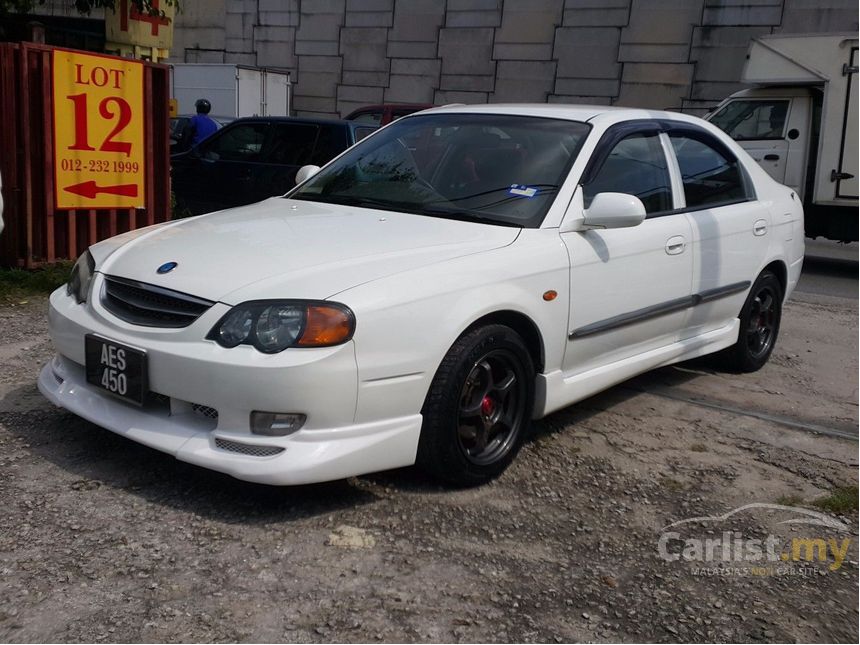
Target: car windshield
[
  {"x": 499, "y": 169},
  {"x": 752, "y": 120}
]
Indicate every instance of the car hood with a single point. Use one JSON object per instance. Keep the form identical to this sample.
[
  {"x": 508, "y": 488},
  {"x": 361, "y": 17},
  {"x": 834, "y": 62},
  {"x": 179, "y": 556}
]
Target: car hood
[{"x": 284, "y": 248}]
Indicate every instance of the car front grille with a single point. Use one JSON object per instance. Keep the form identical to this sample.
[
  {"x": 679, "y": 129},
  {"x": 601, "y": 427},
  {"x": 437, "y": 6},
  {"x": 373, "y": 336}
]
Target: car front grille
[
  {"x": 252, "y": 450},
  {"x": 149, "y": 305}
]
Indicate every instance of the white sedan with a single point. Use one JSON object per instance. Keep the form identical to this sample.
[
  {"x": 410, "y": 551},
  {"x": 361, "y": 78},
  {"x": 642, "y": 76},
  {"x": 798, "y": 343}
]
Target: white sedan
[{"x": 426, "y": 294}]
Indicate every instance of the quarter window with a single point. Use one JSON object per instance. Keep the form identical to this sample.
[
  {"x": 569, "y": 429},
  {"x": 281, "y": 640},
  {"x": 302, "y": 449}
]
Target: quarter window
[
  {"x": 636, "y": 166},
  {"x": 710, "y": 179}
]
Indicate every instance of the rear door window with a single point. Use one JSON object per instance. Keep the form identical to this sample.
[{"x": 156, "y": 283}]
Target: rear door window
[{"x": 710, "y": 179}]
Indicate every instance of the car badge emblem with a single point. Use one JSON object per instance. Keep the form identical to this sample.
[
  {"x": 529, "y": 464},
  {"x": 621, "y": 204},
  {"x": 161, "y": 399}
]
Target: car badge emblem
[{"x": 167, "y": 267}]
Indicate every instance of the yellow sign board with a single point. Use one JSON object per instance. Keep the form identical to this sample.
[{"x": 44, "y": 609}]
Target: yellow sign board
[
  {"x": 127, "y": 25},
  {"x": 98, "y": 131}
]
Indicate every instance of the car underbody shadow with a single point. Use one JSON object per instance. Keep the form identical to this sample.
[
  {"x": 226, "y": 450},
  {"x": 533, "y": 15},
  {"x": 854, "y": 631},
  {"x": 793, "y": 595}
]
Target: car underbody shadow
[{"x": 93, "y": 457}]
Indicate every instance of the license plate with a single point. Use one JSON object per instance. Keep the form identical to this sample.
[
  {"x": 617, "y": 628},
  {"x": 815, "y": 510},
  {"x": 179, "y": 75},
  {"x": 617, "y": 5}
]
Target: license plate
[{"x": 116, "y": 368}]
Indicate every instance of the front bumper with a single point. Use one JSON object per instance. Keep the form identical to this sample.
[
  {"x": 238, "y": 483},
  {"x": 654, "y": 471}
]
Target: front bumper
[{"x": 205, "y": 394}]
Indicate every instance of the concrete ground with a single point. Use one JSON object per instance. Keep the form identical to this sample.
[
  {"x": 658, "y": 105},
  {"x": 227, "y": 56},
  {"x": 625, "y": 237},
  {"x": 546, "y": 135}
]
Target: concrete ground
[{"x": 104, "y": 540}]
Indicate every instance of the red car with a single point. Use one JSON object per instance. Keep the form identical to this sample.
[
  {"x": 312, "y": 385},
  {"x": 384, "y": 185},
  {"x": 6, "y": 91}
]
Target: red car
[{"x": 386, "y": 113}]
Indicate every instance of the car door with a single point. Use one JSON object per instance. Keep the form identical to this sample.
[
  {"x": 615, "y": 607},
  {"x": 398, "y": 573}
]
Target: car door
[
  {"x": 218, "y": 172},
  {"x": 730, "y": 227},
  {"x": 629, "y": 287}
]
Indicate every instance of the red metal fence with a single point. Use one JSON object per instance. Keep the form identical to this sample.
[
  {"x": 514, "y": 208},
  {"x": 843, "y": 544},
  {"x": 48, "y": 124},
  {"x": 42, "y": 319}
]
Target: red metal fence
[{"x": 35, "y": 232}]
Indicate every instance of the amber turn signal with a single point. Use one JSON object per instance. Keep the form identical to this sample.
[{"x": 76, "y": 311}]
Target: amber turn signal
[
  {"x": 326, "y": 325},
  {"x": 550, "y": 295}
]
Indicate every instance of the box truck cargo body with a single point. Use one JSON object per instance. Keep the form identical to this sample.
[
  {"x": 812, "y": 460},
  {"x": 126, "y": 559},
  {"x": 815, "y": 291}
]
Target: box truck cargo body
[
  {"x": 233, "y": 90},
  {"x": 800, "y": 123}
]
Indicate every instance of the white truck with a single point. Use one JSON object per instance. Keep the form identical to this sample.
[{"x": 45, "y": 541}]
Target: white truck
[
  {"x": 800, "y": 123},
  {"x": 233, "y": 90}
]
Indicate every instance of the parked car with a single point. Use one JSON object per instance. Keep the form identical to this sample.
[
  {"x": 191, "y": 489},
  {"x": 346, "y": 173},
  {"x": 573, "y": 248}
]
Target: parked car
[
  {"x": 428, "y": 293},
  {"x": 800, "y": 122},
  {"x": 180, "y": 131},
  {"x": 386, "y": 113},
  {"x": 255, "y": 158}
]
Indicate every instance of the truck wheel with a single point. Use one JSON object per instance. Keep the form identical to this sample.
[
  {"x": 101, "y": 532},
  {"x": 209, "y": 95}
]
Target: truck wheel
[
  {"x": 759, "y": 327},
  {"x": 478, "y": 408}
]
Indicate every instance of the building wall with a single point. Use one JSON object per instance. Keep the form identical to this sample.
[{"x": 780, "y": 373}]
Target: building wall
[{"x": 343, "y": 54}]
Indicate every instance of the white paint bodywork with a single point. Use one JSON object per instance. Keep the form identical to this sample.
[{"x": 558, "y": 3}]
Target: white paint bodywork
[{"x": 415, "y": 284}]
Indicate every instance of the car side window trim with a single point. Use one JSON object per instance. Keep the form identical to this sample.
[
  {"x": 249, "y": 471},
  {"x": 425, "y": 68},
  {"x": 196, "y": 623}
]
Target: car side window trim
[
  {"x": 679, "y": 197},
  {"x": 619, "y": 131},
  {"x": 696, "y": 209},
  {"x": 615, "y": 133}
]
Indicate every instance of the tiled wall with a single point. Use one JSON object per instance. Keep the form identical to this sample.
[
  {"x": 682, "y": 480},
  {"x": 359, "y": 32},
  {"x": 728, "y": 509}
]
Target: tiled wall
[{"x": 347, "y": 53}]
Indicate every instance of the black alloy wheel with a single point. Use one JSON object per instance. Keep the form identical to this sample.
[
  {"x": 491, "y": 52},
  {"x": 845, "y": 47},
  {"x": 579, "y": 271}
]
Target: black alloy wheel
[
  {"x": 478, "y": 407},
  {"x": 492, "y": 405},
  {"x": 759, "y": 326}
]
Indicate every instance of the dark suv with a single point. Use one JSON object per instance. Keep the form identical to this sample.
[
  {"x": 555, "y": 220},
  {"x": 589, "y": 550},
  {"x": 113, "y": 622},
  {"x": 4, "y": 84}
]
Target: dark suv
[{"x": 254, "y": 158}]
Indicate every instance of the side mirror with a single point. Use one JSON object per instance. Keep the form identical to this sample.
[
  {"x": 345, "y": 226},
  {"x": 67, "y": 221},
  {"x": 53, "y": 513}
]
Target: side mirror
[
  {"x": 613, "y": 210},
  {"x": 305, "y": 173}
]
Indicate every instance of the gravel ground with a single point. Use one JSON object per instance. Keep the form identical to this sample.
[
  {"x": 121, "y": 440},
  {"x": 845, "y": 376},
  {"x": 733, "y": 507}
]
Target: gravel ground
[{"x": 104, "y": 540}]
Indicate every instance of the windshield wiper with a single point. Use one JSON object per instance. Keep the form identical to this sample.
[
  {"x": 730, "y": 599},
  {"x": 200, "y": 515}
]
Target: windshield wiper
[
  {"x": 539, "y": 189},
  {"x": 416, "y": 209},
  {"x": 354, "y": 200},
  {"x": 465, "y": 216}
]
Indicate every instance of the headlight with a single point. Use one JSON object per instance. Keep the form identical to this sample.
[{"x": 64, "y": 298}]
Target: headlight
[
  {"x": 82, "y": 274},
  {"x": 274, "y": 325}
]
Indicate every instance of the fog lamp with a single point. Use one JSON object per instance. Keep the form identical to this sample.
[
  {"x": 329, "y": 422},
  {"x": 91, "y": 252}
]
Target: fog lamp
[{"x": 276, "y": 424}]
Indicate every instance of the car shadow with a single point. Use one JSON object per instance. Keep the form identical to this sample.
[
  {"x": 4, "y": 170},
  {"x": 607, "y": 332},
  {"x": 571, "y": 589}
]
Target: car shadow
[
  {"x": 96, "y": 458},
  {"x": 829, "y": 267}
]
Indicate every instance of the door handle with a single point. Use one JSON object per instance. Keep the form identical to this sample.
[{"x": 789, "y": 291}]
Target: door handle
[
  {"x": 760, "y": 227},
  {"x": 771, "y": 157},
  {"x": 675, "y": 245}
]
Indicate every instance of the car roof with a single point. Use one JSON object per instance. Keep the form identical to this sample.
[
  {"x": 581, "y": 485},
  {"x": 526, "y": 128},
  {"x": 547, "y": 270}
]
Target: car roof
[
  {"x": 383, "y": 106},
  {"x": 562, "y": 111},
  {"x": 297, "y": 119},
  {"x": 211, "y": 116}
]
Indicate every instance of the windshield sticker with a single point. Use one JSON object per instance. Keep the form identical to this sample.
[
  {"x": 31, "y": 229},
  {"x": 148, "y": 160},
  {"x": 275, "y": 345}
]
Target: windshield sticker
[{"x": 522, "y": 191}]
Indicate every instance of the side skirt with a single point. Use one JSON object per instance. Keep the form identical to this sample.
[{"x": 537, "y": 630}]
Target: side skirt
[{"x": 554, "y": 391}]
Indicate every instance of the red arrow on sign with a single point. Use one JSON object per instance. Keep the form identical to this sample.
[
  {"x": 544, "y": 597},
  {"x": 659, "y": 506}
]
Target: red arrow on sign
[{"x": 90, "y": 189}]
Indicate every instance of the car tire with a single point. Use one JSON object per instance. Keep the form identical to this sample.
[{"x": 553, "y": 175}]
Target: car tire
[
  {"x": 478, "y": 408},
  {"x": 760, "y": 318}
]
